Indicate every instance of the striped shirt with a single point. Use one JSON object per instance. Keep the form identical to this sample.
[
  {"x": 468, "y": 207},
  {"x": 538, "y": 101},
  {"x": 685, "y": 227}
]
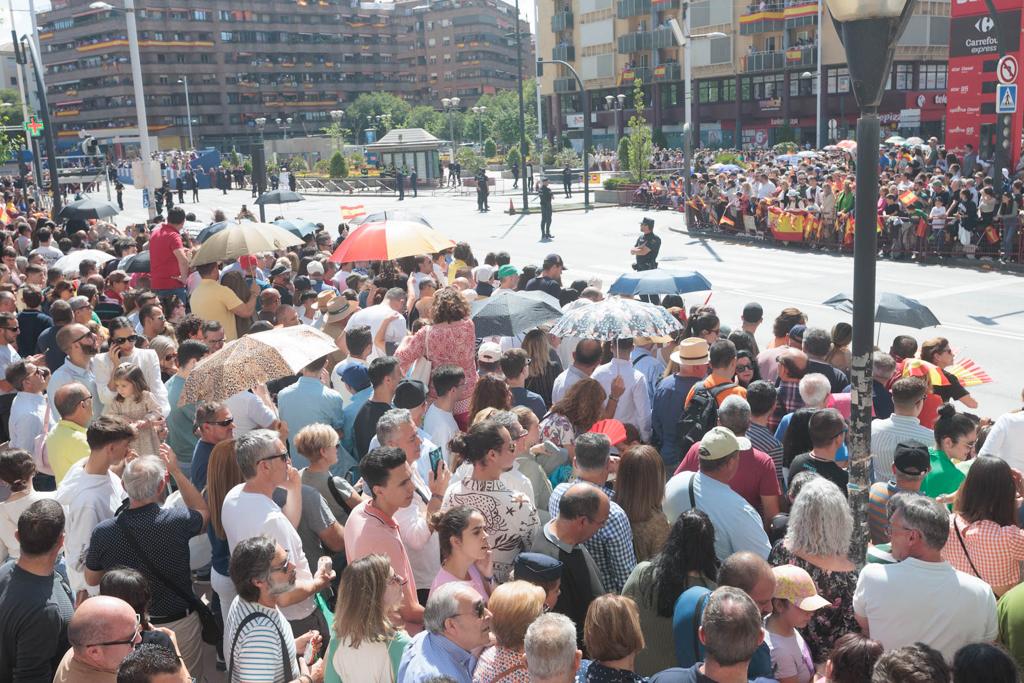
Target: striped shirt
[
  {"x": 257, "y": 653},
  {"x": 887, "y": 434},
  {"x": 763, "y": 440}
]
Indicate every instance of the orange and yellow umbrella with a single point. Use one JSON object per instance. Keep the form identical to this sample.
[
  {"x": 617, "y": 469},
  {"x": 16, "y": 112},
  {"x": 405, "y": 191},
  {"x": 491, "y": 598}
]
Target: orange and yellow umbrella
[{"x": 386, "y": 240}]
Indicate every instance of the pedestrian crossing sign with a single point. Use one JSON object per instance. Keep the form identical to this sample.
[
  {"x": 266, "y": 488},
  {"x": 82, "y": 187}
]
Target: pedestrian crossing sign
[{"x": 1006, "y": 98}]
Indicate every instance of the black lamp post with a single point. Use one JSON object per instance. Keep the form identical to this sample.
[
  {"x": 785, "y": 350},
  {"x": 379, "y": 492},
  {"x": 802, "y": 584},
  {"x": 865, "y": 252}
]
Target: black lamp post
[{"x": 868, "y": 30}]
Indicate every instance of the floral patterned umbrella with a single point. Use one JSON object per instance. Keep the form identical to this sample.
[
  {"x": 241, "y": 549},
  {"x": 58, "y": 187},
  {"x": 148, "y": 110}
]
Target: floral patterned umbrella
[
  {"x": 616, "y": 318},
  {"x": 253, "y": 360}
]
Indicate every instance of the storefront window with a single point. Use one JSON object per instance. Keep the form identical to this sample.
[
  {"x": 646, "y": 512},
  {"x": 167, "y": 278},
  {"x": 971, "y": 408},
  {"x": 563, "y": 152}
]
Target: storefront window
[{"x": 932, "y": 77}]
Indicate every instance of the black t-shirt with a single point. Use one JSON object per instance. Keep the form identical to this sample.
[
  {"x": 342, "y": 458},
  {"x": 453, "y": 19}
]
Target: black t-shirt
[
  {"x": 545, "y": 284},
  {"x": 652, "y": 242},
  {"x": 365, "y": 426},
  {"x": 828, "y": 469},
  {"x": 34, "y": 615},
  {"x": 954, "y": 392},
  {"x": 837, "y": 379}
]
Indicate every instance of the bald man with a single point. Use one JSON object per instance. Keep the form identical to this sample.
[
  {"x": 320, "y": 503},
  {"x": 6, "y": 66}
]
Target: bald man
[
  {"x": 66, "y": 443},
  {"x": 81, "y": 345},
  {"x": 102, "y": 632}
]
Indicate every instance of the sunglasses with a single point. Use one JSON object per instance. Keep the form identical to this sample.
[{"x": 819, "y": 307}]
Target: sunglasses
[
  {"x": 397, "y": 580},
  {"x": 171, "y": 356},
  {"x": 121, "y": 341},
  {"x": 90, "y": 333},
  {"x": 478, "y": 610},
  {"x": 222, "y": 423},
  {"x": 130, "y": 641},
  {"x": 282, "y": 456},
  {"x": 284, "y": 565},
  {"x": 744, "y": 368}
]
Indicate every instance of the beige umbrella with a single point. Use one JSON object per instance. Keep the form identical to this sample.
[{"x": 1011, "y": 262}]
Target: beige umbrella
[
  {"x": 241, "y": 239},
  {"x": 253, "y": 360}
]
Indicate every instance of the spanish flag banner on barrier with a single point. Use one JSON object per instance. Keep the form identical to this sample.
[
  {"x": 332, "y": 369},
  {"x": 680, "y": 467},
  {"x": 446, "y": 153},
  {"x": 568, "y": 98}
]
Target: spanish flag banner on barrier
[
  {"x": 848, "y": 220},
  {"x": 352, "y": 212},
  {"x": 991, "y": 235},
  {"x": 792, "y": 226},
  {"x": 908, "y": 198},
  {"x": 726, "y": 221}
]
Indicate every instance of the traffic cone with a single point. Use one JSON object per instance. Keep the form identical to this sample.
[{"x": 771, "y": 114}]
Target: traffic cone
[{"x": 511, "y": 208}]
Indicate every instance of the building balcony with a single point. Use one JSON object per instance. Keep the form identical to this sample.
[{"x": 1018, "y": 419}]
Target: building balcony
[
  {"x": 566, "y": 53},
  {"x": 643, "y": 41},
  {"x": 800, "y": 13},
  {"x": 566, "y": 84},
  {"x": 797, "y": 57},
  {"x": 630, "y": 75},
  {"x": 561, "y": 21},
  {"x": 642, "y": 8},
  {"x": 763, "y": 61},
  {"x": 667, "y": 71}
]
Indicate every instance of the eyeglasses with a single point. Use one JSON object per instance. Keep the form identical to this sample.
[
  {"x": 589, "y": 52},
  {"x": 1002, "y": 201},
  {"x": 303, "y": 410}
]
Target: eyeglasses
[
  {"x": 171, "y": 356},
  {"x": 284, "y": 565},
  {"x": 845, "y": 429},
  {"x": 478, "y": 610},
  {"x": 120, "y": 341},
  {"x": 282, "y": 456},
  {"x": 90, "y": 333},
  {"x": 397, "y": 580},
  {"x": 744, "y": 368},
  {"x": 131, "y": 641},
  {"x": 222, "y": 423},
  {"x": 11, "y": 329},
  {"x": 215, "y": 342}
]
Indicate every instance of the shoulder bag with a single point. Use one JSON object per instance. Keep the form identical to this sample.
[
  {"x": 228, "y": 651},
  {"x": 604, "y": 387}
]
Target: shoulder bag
[
  {"x": 420, "y": 370},
  {"x": 253, "y": 616},
  {"x": 966, "y": 554}
]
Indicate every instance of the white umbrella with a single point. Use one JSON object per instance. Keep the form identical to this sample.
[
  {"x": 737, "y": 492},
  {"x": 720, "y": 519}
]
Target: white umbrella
[
  {"x": 70, "y": 262},
  {"x": 239, "y": 240}
]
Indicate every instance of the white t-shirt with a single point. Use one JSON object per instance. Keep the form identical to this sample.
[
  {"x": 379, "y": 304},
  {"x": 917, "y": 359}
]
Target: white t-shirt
[
  {"x": 1005, "y": 439},
  {"x": 374, "y": 316},
  {"x": 790, "y": 656},
  {"x": 441, "y": 426},
  {"x": 938, "y": 217},
  {"x": 245, "y": 515},
  {"x": 930, "y": 602},
  {"x": 50, "y": 254},
  {"x": 250, "y": 412}
]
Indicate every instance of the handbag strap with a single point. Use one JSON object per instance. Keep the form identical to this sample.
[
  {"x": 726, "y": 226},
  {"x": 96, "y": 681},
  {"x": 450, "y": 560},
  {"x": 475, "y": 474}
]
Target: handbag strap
[
  {"x": 693, "y": 499},
  {"x": 253, "y": 616},
  {"x": 698, "y": 615},
  {"x": 964, "y": 546},
  {"x": 187, "y": 596}
]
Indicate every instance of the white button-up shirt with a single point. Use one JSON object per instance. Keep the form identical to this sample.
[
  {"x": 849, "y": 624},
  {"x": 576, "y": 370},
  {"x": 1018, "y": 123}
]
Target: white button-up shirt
[
  {"x": 634, "y": 406},
  {"x": 1006, "y": 439},
  {"x": 29, "y": 420}
]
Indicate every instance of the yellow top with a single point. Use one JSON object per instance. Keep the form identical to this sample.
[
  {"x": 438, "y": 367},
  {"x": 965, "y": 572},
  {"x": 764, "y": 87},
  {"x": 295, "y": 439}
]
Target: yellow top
[{"x": 65, "y": 446}]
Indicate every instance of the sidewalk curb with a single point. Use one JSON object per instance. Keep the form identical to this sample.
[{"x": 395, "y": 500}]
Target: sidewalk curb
[{"x": 969, "y": 264}]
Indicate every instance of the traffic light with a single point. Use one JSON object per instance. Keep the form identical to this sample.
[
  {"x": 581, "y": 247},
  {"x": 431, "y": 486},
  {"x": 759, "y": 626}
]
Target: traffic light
[
  {"x": 90, "y": 146},
  {"x": 540, "y": 67}
]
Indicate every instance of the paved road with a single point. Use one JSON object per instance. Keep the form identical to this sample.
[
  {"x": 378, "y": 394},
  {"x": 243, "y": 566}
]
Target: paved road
[{"x": 982, "y": 313}]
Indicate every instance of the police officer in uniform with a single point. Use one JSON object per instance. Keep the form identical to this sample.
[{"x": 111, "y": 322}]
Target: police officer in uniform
[
  {"x": 546, "y": 195},
  {"x": 646, "y": 251}
]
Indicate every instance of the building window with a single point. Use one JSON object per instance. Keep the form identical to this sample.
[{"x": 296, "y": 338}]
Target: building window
[
  {"x": 932, "y": 77},
  {"x": 707, "y": 92},
  {"x": 904, "y": 76},
  {"x": 729, "y": 90},
  {"x": 838, "y": 80}
]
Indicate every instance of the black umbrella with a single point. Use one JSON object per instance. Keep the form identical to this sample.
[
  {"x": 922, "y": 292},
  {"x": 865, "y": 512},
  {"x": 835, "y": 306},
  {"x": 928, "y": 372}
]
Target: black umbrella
[
  {"x": 395, "y": 215},
  {"x": 136, "y": 263},
  {"x": 85, "y": 209},
  {"x": 506, "y": 315},
  {"x": 893, "y": 309},
  {"x": 211, "y": 230},
  {"x": 280, "y": 197}
]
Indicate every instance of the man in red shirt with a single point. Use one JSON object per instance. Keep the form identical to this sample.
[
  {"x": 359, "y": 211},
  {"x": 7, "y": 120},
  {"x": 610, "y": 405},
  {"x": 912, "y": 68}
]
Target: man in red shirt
[{"x": 168, "y": 257}]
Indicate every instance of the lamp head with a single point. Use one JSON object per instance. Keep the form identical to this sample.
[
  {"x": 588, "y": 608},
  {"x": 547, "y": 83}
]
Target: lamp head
[
  {"x": 858, "y": 10},
  {"x": 622, "y": 99},
  {"x": 445, "y": 102},
  {"x": 455, "y": 101},
  {"x": 100, "y": 5},
  {"x": 715, "y": 34}
]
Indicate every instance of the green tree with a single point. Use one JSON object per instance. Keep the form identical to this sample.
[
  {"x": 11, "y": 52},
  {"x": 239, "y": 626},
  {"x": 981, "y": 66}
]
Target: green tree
[
  {"x": 369, "y": 105},
  {"x": 338, "y": 167},
  {"x": 623, "y": 152},
  {"x": 429, "y": 119},
  {"x": 470, "y": 160},
  {"x": 568, "y": 157},
  {"x": 512, "y": 157},
  {"x": 640, "y": 144},
  {"x": 322, "y": 167},
  {"x": 337, "y": 133},
  {"x": 502, "y": 115},
  {"x": 490, "y": 148}
]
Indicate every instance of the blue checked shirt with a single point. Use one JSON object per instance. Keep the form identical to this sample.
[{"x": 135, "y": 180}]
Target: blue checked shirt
[{"x": 612, "y": 545}]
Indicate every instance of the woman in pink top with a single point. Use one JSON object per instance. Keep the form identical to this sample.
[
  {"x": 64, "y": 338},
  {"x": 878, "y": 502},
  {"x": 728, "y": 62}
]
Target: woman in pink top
[
  {"x": 449, "y": 339},
  {"x": 465, "y": 550}
]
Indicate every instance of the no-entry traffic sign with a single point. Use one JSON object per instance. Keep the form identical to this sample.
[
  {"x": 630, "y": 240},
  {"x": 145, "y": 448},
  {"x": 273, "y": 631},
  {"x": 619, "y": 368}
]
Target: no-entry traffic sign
[{"x": 1007, "y": 69}]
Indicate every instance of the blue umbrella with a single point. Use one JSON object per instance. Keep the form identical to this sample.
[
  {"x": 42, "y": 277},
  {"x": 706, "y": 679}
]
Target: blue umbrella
[
  {"x": 211, "y": 230},
  {"x": 659, "y": 281},
  {"x": 298, "y": 228}
]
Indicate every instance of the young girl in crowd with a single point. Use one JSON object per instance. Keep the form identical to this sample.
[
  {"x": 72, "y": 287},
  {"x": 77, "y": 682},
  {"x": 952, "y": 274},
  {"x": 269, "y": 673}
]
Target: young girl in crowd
[
  {"x": 135, "y": 402},
  {"x": 465, "y": 550},
  {"x": 793, "y": 603}
]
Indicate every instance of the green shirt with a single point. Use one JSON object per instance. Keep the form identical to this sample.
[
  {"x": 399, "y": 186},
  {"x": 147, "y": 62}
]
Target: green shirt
[
  {"x": 1010, "y": 617},
  {"x": 944, "y": 477}
]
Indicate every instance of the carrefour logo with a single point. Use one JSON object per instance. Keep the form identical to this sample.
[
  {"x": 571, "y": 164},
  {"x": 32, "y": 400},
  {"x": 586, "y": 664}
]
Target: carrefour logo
[{"x": 985, "y": 24}]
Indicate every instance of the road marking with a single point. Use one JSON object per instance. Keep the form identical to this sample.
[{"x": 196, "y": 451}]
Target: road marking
[{"x": 963, "y": 289}]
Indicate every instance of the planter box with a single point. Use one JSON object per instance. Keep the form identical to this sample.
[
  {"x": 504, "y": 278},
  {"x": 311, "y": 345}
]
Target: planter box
[
  {"x": 614, "y": 196},
  {"x": 470, "y": 181}
]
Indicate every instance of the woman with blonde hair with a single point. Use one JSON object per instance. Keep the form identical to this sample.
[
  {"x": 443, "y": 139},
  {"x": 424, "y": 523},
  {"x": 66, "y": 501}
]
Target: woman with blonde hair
[
  {"x": 514, "y": 606},
  {"x": 543, "y": 366},
  {"x": 318, "y": 443},
  {"x": 612, "y": 637},
  {"x": 639, "y": 490},
  {"x": 366, "y": 647}
]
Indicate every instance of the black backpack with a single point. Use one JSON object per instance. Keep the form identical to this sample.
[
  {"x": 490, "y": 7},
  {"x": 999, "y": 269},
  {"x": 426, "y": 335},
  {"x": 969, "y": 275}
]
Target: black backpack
[{"x": 701, "y": 415}]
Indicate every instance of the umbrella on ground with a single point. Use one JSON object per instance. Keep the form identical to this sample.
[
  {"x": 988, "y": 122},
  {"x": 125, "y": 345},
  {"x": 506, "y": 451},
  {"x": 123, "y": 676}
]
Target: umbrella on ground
[
  {"x": 616, "y": 318},
  {"x": 135, "y": 263},
  {"x": 254, "y": 360},
  {"x": 395, "y": 215},
  {"x": 240, "y": 240},
  {"x": 895, "y": 140},
  {"x": 389, "y": 240},
  {"x": 84, "y": 209},
  {"x": 892, "y": 308},
  {"x": 847, "y": 145},
  {"x": 659, "y": 281},
  {"x": 211, "y": 230},
  {"x": 280, "y": 197},
  {"x": 70, "y": 262},
  {"x": 507, "y": 315},
  {"x": 298, "y": 228}
]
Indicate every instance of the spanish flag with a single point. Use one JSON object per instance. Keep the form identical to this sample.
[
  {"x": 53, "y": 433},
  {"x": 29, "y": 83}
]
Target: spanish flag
[
  {"x": 727, "y": 221},
  {"x": 790, "y": 226},
  {"x": 908, "y": 198},
  {"x": 352, "y": 212},
  {"x": 991, "y": 235}
]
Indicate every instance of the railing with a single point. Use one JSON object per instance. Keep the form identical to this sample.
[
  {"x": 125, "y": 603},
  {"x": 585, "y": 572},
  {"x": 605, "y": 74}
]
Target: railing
[
  {"x": 561, "y": 21},
  {"x": 567, "y": 84},
  {"x": 566, "y": 53},
  {"x": 763, "y": 61},
  {"x": 641, "y": 41},
  {"x": 667, "y": 71}
]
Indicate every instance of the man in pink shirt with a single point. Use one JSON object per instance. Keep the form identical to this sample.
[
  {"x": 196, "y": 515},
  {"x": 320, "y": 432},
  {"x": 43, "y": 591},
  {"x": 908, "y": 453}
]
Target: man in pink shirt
[
  {"x": 168, "y": 257},
  {"x": 755, "y": 480},
  {"x": 371, "y": 528}
]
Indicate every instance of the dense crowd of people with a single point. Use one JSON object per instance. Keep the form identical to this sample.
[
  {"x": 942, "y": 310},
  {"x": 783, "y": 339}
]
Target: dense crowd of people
[{"x": 426, "y": 504}]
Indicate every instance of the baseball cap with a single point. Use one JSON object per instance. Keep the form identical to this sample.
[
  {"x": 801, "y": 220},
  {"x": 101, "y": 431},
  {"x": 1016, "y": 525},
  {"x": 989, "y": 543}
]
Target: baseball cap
[
  {"x": 489, "y": 352},
  {"x": 553, "y": 260},
  {"x": 753, "y": 313},
  {"x": 409, "y": 394},
  {"x": 691, "y": 351},
  {"x": 77, "y": 303},
  {"x": 279, "y": 270},
  {"x": 356, "y": 376},
  {"x": 912, "y": 459},
  {"x": 248, "y": 262},
  {"x": 796, "y": 333},
  {"x": 536, "y": 568},
  {"x": 483, "y": 273},
  {"x": 507, "y": 270},
  {"x": 796, "y": 585},
  {"x": 720, "y": 442},
  {"x": 314, "y": 268}
]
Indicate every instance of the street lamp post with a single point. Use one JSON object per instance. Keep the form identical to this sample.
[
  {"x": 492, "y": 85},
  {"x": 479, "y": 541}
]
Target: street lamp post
[
  {"x": 523, "y": 150},
  {"x": 188, "y": 112},
  {"x": 869, "y": 31},
  {"x": 260, "y": 166},
  {"x": 684, "y": 38},
  {"x": 479, "y": 111},
  {"x": 451, "y": 105},
  {"x": 337, "y": 115},
  {"x": 616, "y": 103}
]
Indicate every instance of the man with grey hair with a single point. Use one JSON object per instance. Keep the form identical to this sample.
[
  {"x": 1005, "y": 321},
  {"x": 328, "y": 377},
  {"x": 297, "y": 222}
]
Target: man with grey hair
[
  {"x": 383, "y": 314},
  {"x": 263, "y": 573},
  {"x": 883, "y": 367},
  {"x": 612, "y": 545},
  {"x": 817, "y": 344},
  {"x": 456, "y": 622},
  {"x": 731, "y": 634},
  {"x": 922, "y": 598},
  {"x": 249, "y": 510},
  {"x": 153, "y": 540},
  {"x": 737, "y": 524},
  {"x": 756, "y": 480},
  {"x": 550, "y": 648}
]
